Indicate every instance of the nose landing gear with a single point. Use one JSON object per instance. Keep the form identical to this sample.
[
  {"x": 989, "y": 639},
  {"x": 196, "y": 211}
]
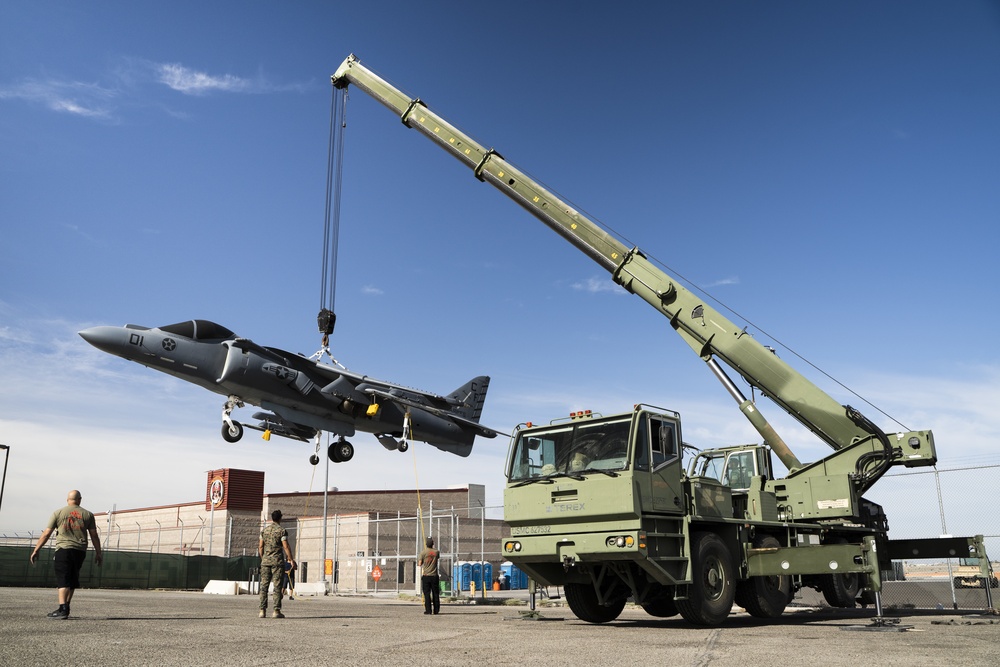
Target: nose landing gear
[{"x": 232, "y": 430}]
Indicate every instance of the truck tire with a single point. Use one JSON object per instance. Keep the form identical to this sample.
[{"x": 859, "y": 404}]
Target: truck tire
[
  {"x": 582, "y": 600},
  {"x": 711, "y": 592},
  {"x": 841, "y": 590},
  {"x": 765, "y": 597},
  {"x": 662, "y": 606}
]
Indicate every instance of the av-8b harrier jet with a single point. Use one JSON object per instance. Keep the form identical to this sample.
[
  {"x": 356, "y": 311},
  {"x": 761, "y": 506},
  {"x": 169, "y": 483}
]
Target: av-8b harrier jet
[{"x": 302, "y": 396}]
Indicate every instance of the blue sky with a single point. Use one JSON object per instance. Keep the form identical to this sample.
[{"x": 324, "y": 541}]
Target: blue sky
[{"x": 827, "y": 170}]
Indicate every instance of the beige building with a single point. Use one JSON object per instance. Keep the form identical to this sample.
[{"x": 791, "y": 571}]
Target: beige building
[{"x": 369, "y": 541}]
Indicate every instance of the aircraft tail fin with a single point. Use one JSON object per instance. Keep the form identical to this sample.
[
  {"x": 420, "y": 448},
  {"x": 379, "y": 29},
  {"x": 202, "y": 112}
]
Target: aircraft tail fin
[{"x": 470, "y": 398}]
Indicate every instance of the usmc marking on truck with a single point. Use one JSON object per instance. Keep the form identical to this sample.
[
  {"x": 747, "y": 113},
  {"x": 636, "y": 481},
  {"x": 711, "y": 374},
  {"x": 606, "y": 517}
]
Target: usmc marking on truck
[{"x": 530, "y": 530}]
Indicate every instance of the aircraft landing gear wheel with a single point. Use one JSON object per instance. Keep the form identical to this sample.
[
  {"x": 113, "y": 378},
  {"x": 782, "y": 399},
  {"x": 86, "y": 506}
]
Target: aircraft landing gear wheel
[
  {"x": 314, "y": 460},
  {"x": 340, "y": 451},
  {"x": 232, "y": 433},
  {"x": 403, "y": 445}
]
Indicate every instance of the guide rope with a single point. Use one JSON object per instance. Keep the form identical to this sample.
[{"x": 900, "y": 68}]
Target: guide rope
[{"x": 407, "y": 437}]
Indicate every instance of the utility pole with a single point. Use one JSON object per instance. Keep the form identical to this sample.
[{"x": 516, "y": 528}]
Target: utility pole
[{"x": 6, "y": 455}]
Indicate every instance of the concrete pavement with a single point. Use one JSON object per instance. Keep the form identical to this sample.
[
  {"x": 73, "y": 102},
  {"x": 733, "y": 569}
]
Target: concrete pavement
[{"x": 125, "y": 628}]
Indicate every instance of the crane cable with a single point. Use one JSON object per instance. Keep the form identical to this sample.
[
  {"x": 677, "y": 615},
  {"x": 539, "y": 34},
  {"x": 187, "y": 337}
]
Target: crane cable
[{"x": 327, "y": 317}]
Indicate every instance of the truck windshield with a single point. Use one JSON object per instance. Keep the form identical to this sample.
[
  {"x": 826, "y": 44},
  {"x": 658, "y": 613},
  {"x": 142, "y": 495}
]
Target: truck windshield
[{"x": 572, "y": 449}]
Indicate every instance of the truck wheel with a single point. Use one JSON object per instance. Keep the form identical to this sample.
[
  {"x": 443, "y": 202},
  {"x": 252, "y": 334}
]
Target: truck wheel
[
  {"x": 841, "y": 590},
  {"x": 662, "y": 606},
  {"x": 765, "y": 597},
  {"x": 582, "y": 600},
  {"x": 711, "y": 593}
]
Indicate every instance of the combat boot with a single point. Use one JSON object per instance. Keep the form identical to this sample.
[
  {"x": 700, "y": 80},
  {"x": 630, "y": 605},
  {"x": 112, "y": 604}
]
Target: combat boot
[
  {"x": 62, "y": 613},
  {"x": 277, "y": 614}
]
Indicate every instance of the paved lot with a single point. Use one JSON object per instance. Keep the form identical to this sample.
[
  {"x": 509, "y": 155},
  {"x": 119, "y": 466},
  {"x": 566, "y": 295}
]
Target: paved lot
[{"x": 124, "y": 628}]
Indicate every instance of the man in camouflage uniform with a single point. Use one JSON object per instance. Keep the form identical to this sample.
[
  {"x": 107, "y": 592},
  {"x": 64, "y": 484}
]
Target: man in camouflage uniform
[{"x": 273, "y": 551}]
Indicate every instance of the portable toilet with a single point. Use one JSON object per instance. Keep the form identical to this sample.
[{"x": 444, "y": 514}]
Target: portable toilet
[
  {"x": 487, "y": 571},
  {"x": 514, "y": 575},
  {"x": 461, "y": 576},
  {"x": 477, "y": 575}
]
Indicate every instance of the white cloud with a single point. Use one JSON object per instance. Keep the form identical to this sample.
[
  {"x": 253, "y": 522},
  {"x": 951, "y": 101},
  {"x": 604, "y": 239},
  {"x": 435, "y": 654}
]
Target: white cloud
[
  {"x": 76, "y": 98},
  {"x": 596, "y": 285},
  {"x": 372, "y": 290},
  {"x": 128, "y": 78},
  {"x": 732, "y": 280},
  {"x": 191, "y": 82}
]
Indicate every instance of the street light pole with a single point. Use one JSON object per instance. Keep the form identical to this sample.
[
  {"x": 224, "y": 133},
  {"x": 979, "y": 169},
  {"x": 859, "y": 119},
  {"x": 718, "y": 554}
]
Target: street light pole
[
  {"x": 6, "y": 455},
  {"x": 326, "y": 510}
]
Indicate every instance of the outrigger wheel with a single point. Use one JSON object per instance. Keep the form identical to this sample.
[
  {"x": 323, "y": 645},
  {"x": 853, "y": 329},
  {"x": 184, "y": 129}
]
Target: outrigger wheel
[{"x": 340, "y": 451}]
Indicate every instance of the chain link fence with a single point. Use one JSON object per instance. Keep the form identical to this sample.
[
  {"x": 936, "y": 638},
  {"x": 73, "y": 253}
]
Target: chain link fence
[
  {"x": 369, "y": 552},
  {"x": 378, "y": 552},
  {"x": 941, "y": 502}
]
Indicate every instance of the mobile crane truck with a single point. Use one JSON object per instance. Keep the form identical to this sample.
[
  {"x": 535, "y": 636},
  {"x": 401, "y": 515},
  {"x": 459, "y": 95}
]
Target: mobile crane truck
[{"x": 602, "y": 505}]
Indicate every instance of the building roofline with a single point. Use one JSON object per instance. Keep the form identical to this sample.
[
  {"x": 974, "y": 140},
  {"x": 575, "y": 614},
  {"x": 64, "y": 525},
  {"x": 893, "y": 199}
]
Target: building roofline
[{"x": 338, "y": 492}]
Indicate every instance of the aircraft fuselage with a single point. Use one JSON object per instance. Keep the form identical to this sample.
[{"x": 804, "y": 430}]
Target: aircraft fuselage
[{"x": 300, "y": 391}]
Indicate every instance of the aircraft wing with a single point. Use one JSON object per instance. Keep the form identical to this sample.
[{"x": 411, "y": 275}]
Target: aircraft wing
[
  {"x": 357, "y": 378},
  {"x": 443, "y": 413},
  {"x": 436, "y": 404}
]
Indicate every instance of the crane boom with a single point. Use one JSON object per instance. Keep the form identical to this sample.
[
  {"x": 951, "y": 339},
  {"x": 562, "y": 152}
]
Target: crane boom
[{"x": 710, "y": 334}]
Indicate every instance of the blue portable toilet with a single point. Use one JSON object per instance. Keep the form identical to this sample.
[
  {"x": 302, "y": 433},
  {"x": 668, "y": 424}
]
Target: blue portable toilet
[
  {"x": 508, "y": 571},
  {"x": 477, "y": 575},
  {"x": 516, "y": 579},
  {"x": 461, "y": 576},
  {"x": 487, "y": 571}
]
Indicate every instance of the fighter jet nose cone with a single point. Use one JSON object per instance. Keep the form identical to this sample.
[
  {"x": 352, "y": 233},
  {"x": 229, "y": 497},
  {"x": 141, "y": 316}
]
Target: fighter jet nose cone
[
  {"x": 91, "y": 335},
  {"x": 103, "y": 338}
]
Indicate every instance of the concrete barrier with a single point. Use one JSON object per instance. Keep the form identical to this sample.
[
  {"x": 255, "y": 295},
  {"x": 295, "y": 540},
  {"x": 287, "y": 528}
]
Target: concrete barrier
[
  {"x": 220, "y": 587},
  {"x": 311, "y": 588}
]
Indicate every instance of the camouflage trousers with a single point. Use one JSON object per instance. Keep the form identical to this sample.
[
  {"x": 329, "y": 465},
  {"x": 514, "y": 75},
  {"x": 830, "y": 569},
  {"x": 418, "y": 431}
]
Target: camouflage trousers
[{"x": 268, "y": 574}]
